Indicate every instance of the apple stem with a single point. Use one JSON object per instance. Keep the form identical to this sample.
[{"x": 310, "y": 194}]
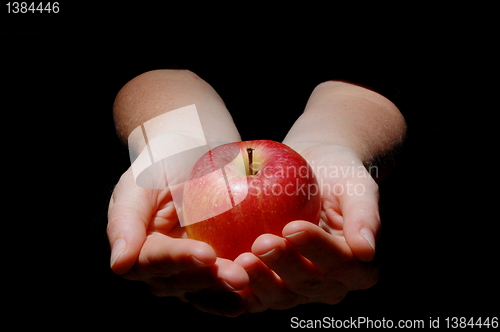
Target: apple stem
[{"x": 250, "y": 161}]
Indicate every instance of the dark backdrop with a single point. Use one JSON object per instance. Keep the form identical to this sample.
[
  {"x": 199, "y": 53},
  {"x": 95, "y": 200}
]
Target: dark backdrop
[{"x": 63, "y": 159}]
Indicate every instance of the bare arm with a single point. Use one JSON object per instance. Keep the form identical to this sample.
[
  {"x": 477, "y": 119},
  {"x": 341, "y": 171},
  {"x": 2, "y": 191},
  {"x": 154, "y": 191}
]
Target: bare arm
[
  {"x": 157, "y": 92},
  {"x": 350, "y": 116}
]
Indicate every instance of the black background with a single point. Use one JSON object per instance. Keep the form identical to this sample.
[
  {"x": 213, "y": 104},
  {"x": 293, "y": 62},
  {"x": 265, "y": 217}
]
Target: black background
[{"x": 62, "y": 158}]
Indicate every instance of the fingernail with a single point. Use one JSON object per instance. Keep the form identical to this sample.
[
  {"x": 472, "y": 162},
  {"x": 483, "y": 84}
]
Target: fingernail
[
  {"x": 118, "y": 249},
  {"x": 270, "y": 256},
  {"x": 368, "y": 236},
  {"x": 197, "y": 262},
  {"x": 228, "y": 286},
  {"x": 299, "y": 238}
]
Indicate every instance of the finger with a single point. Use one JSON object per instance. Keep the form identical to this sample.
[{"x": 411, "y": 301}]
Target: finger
[
  {"x": 162, "y": 256},
  {"x": 331, "y": 255},
  {"x": 224, "y": 275},
  {"x": 325, "y": 251},
  {"x": 251, "y": 302},
  {"x": 187, "y": 281},
  {"x": 233, "y": 276},
  {"x": 297, "y": 273},
  {"x": 130, "y": 210},
  {"x": 266, "y": 290},
  {"x": 361, "y": 220}
]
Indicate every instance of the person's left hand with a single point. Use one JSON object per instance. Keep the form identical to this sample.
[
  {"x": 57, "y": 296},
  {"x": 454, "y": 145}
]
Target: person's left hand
[{"x": 319, "y": 263}]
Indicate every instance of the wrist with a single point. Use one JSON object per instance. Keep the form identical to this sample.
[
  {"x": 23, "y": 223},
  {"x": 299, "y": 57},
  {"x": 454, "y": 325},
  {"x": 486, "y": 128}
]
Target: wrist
[
  {"x": 308, "y": 149},
  {"x": 318, "y": 154}
]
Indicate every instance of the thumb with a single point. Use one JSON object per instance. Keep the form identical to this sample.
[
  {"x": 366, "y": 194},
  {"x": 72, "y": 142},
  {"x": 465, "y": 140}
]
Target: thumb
[
  {"x": 129, "y": 212},
  {"x": 361, "y": 217}
]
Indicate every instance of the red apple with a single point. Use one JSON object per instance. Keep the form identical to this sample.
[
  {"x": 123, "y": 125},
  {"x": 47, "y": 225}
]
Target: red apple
[{"x": 238, "y": 191}]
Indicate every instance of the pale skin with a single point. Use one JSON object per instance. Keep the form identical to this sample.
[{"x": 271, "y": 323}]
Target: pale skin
[{"x": 343, "y": 125}]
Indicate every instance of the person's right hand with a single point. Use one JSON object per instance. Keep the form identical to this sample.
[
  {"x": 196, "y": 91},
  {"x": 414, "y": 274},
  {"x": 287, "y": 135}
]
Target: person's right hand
[{"x": 149, "y": 245}]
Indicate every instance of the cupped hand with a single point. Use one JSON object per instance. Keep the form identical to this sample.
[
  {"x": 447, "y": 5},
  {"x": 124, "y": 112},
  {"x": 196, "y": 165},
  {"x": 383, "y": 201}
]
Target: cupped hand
[
  {"x": 319, "y": 263},
  {"x": 149, "y": 245}
]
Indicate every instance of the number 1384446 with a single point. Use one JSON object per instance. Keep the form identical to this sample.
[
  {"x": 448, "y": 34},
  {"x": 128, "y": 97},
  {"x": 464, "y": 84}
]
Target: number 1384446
[{"x": 32, "y": 7}]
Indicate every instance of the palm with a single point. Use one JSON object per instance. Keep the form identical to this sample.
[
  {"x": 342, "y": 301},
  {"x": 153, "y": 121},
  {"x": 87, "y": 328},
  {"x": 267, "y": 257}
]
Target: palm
[
  {"x": 164, "y": 220},
  {"x": 340, "y": 175}
]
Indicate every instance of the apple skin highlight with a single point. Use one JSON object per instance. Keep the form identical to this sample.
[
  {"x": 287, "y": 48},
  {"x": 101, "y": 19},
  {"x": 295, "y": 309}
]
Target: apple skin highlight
[{"x": 268, "y": 185}]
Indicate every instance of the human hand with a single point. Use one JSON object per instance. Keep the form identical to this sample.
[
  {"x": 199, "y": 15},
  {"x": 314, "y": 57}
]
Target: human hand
[
  {"x": 149, "y": 245},
  {"x": 319, "y": 263}
]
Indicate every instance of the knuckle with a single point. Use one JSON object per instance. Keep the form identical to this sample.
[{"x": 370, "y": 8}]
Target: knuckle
[
  {"x": 117, "y": 227},
  {"x": 134, "y": 275},
  {"x": 115, "y": 220},
  {"x": 284, "y": 303},
  {"x": 309, "y": 286},
  {"x": 363, "y": 278},
  {"x": 324, "y": 85},
  {"x": 369, "y": 281},
  {"x": 335, "y": 298},
  {"x": 159, "y": 291},
  {"x": 163, "y": 287}
]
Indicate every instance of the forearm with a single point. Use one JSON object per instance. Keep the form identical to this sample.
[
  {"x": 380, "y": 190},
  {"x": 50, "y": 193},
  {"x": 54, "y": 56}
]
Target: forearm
[
  {"x": 351, "y": 116},
  {"x": 157, "y": 92}
]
